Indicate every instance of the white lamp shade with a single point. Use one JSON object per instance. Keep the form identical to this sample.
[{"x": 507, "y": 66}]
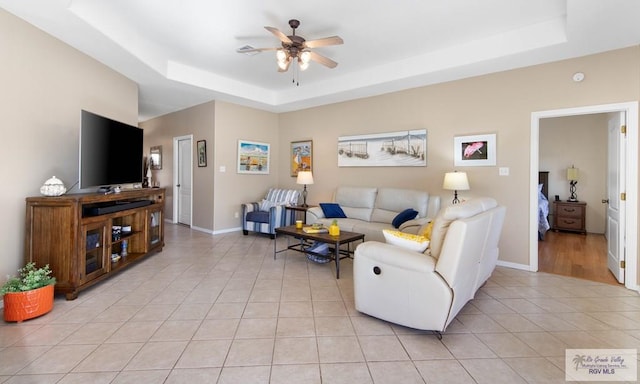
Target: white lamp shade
[
  {"x": 455, "y": 181},
  {"x": 304, "y": 177},
  {"x": 572, "y": 174}
]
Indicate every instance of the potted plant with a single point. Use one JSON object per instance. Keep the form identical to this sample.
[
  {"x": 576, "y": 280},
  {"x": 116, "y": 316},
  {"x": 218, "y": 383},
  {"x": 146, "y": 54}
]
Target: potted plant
[{"x": 28, "y": 295}]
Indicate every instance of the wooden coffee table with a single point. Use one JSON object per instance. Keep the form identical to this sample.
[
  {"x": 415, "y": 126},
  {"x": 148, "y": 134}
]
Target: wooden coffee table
[{"x": 334, "y": 242}]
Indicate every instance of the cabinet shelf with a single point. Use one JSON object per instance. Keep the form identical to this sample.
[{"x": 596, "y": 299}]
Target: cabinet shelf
[{"x": 79, "y": 248}]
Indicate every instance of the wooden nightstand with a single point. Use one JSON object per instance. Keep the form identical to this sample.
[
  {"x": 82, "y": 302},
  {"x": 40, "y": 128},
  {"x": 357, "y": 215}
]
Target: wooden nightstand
[{"x": 568, "y": 216}]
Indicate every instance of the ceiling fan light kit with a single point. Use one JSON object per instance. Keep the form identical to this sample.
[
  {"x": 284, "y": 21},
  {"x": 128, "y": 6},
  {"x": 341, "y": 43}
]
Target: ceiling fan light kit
[{"x": 296, "y": 47}]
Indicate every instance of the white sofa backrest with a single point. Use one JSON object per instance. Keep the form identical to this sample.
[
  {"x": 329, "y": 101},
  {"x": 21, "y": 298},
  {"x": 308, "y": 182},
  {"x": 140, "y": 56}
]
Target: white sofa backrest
[
  {"x": 469, "y": 249},
  {"x": 390, "y": 201},
  {"x": 356, "y": 202}
]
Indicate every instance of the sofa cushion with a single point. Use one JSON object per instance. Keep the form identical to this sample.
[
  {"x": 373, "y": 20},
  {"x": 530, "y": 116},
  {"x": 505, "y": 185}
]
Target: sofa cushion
[
  {"x": 332, "y": 211},
  {"x": 258, "y": 216},
  {"x": 404, "y": 216},
  {"x": 390, "y": 201},
  {"x": 356, "y": 202},
  {"x": 406, "y": 240}
]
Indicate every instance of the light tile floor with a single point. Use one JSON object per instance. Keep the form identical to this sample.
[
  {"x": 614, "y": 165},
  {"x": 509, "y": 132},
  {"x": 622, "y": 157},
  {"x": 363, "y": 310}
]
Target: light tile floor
[{"x": 219, "y": 309}]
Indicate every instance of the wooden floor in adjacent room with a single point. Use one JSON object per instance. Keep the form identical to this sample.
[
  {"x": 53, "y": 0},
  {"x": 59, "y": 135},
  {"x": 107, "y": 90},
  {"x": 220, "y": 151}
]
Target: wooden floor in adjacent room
[{"x": 576, "y": 255}]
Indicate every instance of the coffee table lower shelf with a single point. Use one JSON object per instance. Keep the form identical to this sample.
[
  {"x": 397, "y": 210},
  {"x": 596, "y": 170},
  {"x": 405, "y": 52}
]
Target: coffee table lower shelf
[{"x": 334, "y": 242}]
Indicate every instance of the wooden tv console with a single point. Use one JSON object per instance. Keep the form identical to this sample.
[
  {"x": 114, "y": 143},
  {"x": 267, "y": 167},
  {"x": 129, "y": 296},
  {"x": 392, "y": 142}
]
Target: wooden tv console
[{"x": 74, "y": 234}]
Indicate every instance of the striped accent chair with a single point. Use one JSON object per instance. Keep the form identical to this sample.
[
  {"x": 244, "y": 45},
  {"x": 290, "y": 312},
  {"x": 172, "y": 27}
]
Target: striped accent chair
[{"x": 270, "y": 213}]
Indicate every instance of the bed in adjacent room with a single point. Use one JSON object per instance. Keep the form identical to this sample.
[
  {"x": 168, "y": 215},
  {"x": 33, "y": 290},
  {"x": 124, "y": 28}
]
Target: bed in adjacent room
[{"x": 543, "y": 204}]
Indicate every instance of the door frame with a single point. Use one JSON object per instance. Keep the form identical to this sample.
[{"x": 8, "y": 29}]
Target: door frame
[
  {"x": 175, "y": 176},
  {"x": 631, "y": 203}
]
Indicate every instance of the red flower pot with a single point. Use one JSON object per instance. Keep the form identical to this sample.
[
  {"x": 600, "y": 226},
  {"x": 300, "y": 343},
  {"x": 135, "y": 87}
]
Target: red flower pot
[{"x": 26, "y": 305}]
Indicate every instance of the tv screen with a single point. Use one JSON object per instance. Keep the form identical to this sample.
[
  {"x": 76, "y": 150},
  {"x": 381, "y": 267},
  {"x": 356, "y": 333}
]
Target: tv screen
[{"x": 111, "y": 152}]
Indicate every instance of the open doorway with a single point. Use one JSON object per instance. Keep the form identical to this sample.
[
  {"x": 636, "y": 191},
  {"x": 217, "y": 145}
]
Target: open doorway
[
  {"x": 575, "y": 145},
  {"x": 628, "y": 223}
]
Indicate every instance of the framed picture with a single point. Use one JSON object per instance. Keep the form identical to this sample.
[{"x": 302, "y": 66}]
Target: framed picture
[
  {"x": 301, "y": 156},
  {"x": 202, "y": 153},
  {"x": 253, "y": 157},
  {"x": 474, "y": 151},
  {"x": 390, "y": 149},
  {"x": 156, "y": 157}
]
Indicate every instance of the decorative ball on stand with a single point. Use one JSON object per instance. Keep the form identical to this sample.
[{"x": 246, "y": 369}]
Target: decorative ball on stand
[{"x": 53, "y": 187}]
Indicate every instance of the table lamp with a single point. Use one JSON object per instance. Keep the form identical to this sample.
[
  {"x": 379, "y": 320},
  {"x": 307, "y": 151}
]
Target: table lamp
[
  {"x": 304, "y": 177},
  {"x": 455, "y": 181}
]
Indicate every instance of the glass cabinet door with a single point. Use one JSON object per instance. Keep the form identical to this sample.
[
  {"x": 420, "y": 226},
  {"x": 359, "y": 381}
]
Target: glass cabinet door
[
  {"x": 155, "y": 228},
  {"x": 94, "y": 246}
]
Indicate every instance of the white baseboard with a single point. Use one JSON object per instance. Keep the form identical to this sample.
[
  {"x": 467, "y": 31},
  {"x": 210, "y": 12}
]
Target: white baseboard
[
  {"x": 227, "y": 230},
  {"x": 205, "y": 230},
  {"x": 523, "y": 267}
]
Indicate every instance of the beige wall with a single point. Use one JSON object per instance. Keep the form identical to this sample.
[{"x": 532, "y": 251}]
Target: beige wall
[
  {"x": 217, "y": 194},
  {"x": 499, "y": 103},
  {"x": 45, "y": 84},
  {"x": 579, "y": 141},
  {"x": 199, "y": 122},
  {"x": 233, "y": 123}
]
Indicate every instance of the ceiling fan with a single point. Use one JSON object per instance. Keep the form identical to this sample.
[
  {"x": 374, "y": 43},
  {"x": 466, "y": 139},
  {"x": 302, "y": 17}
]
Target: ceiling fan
[{"x": 296, "y": 47}]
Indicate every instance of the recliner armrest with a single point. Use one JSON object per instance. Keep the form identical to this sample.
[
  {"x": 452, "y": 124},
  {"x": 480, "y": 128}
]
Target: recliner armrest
[{"x": 396, "y": 256}]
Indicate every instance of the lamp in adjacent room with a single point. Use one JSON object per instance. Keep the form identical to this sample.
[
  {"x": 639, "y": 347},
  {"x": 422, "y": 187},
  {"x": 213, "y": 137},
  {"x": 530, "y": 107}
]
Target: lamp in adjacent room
[
  {"x": 455, "y": 181},
  {"x": 572, "y": 176},
  {"x": 304, "y": 177}
]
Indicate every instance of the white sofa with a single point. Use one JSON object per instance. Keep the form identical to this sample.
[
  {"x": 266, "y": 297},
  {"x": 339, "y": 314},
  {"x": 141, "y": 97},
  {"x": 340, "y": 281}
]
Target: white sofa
[
  {"x": 369, "y": 210},
  {"x": 427, "y": 290}
]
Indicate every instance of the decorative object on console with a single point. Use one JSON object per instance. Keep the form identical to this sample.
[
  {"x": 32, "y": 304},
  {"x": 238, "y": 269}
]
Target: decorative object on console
[
  {"x": 149, "y": 175},
  {"x": 455, "y": 181},
  {"x": 304, "y": 177},
  {"x": 572, "y": 176},
  {"x": 53, "y": 187}
]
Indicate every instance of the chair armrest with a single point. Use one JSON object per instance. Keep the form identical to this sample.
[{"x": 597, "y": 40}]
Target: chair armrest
[
  {"x": 250, "y": 207},
  {"x": 314, "y": 214}
]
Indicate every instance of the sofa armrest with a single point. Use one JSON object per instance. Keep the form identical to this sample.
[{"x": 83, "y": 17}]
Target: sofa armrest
[
  {"x": 412, "y": 226},
  {"x": 314, "y": 214},
  {"x": 396, "y": 256}
]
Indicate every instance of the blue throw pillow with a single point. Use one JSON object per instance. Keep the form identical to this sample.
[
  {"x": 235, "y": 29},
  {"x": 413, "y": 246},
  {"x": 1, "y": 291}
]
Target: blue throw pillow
[
  {"x": 406, "y": 215},
  {"x": 332, "y": 211}
]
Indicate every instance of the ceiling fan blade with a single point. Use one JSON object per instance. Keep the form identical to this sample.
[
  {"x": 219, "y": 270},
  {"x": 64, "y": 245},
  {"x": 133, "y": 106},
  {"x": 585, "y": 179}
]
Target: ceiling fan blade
[
  {"x": 327, "y": 62},
  {"x": 281, "y": 36},
  {"x": 241, "y": 50},
  {"x": 333, "y": 40}
]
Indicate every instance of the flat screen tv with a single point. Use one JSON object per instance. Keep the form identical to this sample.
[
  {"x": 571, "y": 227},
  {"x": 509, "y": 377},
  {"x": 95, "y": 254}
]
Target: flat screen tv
[{"x": 111, "y": 152}]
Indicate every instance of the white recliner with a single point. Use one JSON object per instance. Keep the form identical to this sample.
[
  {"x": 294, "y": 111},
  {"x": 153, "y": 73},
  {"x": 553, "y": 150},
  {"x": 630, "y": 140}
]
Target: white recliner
[{"x": 427, "y": 290}]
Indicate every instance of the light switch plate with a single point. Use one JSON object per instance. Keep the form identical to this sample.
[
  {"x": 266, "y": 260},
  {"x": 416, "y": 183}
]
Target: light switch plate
[{"x": 503, "y": 171}]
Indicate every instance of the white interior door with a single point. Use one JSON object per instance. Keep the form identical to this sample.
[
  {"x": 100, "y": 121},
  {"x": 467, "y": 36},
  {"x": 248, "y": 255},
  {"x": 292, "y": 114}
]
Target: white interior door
[
  {"x": 184, "y": 180},
  {"x": 615, "y": 185}
]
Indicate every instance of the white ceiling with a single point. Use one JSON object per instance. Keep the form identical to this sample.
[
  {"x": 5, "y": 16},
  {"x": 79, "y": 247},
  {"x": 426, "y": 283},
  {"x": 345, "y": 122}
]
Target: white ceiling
[{"x": 183, "y": 53}]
